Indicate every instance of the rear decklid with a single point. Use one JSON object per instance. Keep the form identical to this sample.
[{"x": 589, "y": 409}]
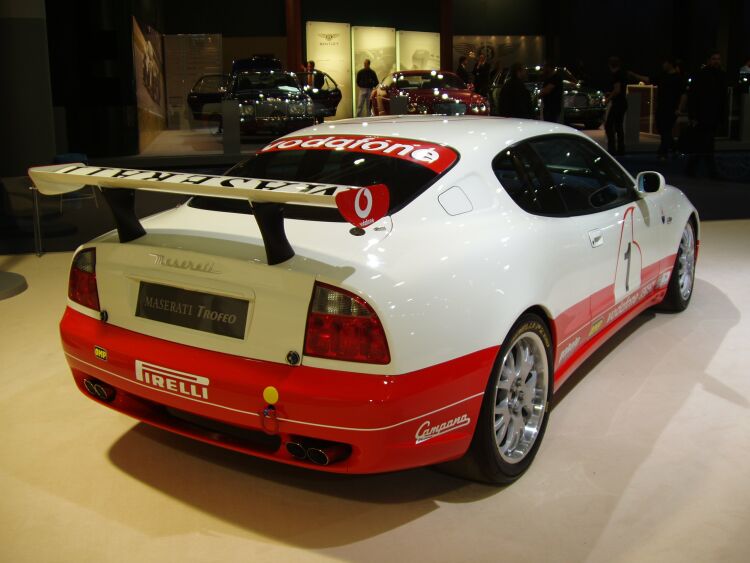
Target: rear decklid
[{"x": 226, "y": 278}]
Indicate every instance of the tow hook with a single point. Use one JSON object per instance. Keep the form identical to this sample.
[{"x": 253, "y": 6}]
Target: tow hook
[{"x": 269, "y": 421}]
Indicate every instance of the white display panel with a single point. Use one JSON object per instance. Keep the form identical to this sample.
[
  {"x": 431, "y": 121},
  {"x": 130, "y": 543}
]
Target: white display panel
[
  {"x": 377, "y": 44},
  {"x": 329, "y": 45},
  {"x": 418, "y": 50}
]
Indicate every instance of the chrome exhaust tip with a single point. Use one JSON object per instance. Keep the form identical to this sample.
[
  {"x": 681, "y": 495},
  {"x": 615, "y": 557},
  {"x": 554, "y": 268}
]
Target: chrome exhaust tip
[
  {"x": 296, "y": 450},
  {"x": 326, "y": 455},
  {"x": 99, "y": 390}
]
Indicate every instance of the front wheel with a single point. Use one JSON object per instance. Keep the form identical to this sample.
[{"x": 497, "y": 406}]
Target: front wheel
[
  {"x": 515, "y": 408},
  {"x": 680, "y": 288}
]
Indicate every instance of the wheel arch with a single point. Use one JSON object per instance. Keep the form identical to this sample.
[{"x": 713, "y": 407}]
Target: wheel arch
[
  {"x": 544, "y": 313},
  {"x": 696, "y": 224}
]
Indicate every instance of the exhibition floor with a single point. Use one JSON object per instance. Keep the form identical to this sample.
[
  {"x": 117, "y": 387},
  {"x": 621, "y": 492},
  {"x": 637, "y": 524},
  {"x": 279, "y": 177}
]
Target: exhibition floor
[{"x": 646, "y": 458}]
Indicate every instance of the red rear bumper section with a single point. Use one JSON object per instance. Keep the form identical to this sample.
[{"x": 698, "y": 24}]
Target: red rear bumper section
[{"x": 369, "y": 423}]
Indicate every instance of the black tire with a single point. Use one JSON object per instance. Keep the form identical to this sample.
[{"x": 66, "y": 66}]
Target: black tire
[
  {"x": 682, "y": 279},
  {"x": 486, "y": 461}
]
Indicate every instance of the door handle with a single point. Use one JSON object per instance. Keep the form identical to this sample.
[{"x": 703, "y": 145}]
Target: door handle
[{"x": 596, "y": 238}]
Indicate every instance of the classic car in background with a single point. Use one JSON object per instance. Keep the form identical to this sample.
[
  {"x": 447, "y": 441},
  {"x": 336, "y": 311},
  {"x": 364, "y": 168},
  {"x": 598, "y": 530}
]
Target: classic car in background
[
  {"x": 205, "y": 96},
  {"x": 426, "y": 91},
  {"x": 581, "y": 104},
  {"x": 323, "y": 91},
  {"x": 270, "y": 101}
]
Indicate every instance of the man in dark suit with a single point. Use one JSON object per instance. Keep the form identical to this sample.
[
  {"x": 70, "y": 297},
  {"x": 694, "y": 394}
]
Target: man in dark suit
[{"x": 707, "y": 109}]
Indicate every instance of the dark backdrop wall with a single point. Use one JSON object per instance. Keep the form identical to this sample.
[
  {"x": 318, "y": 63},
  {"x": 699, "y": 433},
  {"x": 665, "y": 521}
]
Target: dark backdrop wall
[
  {"x": 232, "y": 18},
  {"x": 415, "y": 15},
  {"x": 91, "y": 66}
]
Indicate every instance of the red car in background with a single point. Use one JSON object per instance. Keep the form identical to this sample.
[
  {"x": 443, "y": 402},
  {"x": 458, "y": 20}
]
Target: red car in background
[{"x": 426, "y": 91}]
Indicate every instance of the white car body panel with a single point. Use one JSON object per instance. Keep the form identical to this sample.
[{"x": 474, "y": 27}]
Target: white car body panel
[{"x": 448, "y": 274}]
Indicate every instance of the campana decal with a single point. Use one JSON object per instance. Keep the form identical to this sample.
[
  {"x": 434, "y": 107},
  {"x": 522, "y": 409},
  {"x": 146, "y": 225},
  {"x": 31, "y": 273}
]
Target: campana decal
[
  {"x": 569, "y": 348},
  {"x": 427, "y": 431},
  {"x": 200, "y": 180},
  {"x": 437, "y": 158},
  {"x": 172, "y": 381}
]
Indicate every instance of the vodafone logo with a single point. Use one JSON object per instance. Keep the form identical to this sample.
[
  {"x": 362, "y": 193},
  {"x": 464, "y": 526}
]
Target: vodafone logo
[
  {"x": 363, "y": 206},
  {"x": 363, "y": 212},
  {"x": 436, "y": 157}
]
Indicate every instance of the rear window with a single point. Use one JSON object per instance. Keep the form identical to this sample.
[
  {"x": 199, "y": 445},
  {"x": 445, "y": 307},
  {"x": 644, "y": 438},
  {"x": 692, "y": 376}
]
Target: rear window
[{"x": 407, "y": 170}]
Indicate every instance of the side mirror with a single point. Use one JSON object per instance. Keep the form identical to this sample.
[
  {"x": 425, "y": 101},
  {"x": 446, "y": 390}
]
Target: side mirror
[{"x": 649, "y": 183}]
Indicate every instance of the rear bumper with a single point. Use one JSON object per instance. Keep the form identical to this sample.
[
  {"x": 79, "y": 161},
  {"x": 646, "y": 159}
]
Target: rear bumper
[{"x": 390, "y": 422}]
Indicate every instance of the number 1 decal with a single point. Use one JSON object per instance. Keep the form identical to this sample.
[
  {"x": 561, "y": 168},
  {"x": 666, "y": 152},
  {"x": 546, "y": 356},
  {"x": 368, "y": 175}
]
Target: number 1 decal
[{"x": 629, "y": 258}]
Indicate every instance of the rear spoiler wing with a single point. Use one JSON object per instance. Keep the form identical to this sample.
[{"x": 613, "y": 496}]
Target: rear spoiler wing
[{"x": 266, "y": 197}]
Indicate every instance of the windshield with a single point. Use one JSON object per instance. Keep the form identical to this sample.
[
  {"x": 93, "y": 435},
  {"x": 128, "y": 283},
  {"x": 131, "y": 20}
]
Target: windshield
[
  {"x": 405, "y": 178},
  {"x": 269, "y": 80}
]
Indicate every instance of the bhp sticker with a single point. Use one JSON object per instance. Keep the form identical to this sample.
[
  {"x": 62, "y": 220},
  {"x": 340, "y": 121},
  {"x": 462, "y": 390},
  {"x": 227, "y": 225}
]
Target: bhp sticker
[
  {"x": 436, "y": 157},
  {"x": 363, "y": 206}
]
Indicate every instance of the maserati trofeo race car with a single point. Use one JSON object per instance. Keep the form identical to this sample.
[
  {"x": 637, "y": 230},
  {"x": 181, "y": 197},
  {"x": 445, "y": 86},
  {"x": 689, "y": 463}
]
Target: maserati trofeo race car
[{"x": 374, "y": 294}]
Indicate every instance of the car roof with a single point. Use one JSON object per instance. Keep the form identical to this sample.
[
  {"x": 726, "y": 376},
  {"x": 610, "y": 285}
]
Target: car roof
[{"x": 467, "y": 134}]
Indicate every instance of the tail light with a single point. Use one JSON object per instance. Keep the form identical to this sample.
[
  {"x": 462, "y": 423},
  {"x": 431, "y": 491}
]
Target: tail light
[
  {"x": 82, "y": 284},
  {"x": 342, "y": 326}
]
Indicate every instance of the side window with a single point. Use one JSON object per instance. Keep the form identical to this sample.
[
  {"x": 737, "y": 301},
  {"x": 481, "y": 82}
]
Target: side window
[
  {"x": 518, "y": 169},
  {"x": 585, "y": 177}
]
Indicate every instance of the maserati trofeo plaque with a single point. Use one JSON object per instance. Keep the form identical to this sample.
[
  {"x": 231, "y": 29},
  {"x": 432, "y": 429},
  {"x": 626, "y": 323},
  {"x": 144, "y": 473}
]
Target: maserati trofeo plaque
[{"x": 192, "y": 309}]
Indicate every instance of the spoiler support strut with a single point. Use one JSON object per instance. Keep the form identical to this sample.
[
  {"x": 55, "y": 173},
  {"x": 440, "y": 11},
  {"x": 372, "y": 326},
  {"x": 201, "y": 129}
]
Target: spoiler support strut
[{"x": 122, "y": 205}]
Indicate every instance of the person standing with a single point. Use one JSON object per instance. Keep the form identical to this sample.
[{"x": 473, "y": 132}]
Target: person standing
[
  {"x": 315, "y": 79},
  {"x": 552, "y": 93},
  {"x": 515, "y": 98},
  {"x": 618, "y": 105},
  {"x": 462, "y": 71},
  {"x": 668, "y": 95},
  {"x": 707, "y": 108},
  {"x": 366, "y": 81},
  {"x": 481, "y": 74}
]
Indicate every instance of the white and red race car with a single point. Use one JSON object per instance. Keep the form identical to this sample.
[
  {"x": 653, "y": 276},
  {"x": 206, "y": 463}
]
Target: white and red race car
[{"x": 372, "y": 295}]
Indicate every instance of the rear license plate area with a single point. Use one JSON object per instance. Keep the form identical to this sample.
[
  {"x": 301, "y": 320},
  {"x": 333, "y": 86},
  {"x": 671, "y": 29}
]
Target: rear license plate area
[{"x": 215, "y": 314}]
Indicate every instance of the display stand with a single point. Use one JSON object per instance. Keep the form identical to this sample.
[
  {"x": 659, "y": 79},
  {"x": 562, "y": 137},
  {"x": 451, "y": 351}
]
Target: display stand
[
  {"x": 230, "y": 111},
  {"x": 11, "y": 284},
  {"x": 633, "y": 119}
]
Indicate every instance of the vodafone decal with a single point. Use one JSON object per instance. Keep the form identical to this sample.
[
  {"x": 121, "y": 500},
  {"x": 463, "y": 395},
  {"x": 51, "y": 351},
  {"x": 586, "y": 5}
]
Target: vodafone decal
[
  {"x": 437, "y": 158},
  {"x": 363, "y": 206}
]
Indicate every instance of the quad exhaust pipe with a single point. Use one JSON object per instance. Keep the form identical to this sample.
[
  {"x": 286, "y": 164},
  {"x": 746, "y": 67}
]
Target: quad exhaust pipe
[
  {"x": 99, "y": 389},
  {"x": 317, "y": 451}
]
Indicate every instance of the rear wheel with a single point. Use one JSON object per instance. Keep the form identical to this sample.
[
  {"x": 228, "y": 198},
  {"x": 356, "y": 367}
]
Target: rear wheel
[
  {"x": 681, "y": 282},
  {"x": 515, "y": 408}
]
